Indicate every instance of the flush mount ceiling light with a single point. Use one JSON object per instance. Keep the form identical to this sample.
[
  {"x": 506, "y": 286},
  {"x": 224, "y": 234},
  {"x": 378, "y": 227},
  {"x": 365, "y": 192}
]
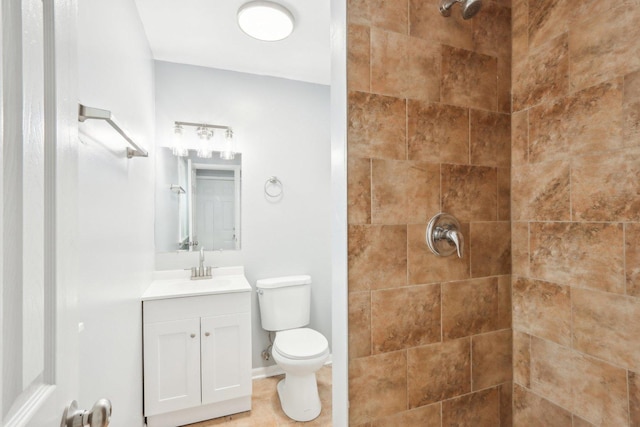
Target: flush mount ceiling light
[{"x": 265, "y": 20}]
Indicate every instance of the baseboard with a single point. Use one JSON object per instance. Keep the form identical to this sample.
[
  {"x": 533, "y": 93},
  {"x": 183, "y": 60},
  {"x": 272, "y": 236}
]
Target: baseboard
[{"x": 273, "y": 370}]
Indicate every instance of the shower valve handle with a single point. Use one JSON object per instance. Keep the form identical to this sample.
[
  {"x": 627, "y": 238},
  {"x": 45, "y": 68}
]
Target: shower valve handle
[{"x": 444, "y": 236}]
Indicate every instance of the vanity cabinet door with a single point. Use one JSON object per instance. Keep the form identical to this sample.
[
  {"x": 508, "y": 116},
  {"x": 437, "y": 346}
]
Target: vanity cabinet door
[
  {"x": 226, "y": 357},
  {"x": 171, "y": 365}
]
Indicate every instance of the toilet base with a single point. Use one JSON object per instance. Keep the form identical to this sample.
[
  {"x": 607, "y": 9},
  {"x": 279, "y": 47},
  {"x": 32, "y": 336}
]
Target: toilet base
[{"x": 299, "y": 397}]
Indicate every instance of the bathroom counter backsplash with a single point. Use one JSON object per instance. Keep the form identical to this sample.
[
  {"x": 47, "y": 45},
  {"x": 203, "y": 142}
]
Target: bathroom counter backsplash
[{"x": 178, "y": 283}]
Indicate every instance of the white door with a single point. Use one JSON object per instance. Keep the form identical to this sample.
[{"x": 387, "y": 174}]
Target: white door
[
  {"x": 216, "y": 213},
  {"x": 38, "y": 131}
]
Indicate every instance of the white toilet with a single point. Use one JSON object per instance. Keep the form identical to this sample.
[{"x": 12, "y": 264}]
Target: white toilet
[{"x": 285, "y": 304}]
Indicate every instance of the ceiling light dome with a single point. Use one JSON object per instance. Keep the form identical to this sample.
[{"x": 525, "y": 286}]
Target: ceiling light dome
[{"x": 265, "y": 20}]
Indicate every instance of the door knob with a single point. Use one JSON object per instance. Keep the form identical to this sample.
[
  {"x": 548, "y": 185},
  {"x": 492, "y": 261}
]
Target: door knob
[
  {"x": 444, "y": 236},
  {"x": 98, "y": 416}
]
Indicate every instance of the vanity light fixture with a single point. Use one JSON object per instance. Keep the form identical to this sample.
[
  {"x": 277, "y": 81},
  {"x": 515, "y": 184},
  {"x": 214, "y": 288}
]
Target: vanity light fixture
[
  {"x": 205, "y": 151},
  {"x": 265, "y": 20},
  {"x": 178, "y": 148},
  {"x": 228, "y": 151},
  {"x": 205, "y": 147}
]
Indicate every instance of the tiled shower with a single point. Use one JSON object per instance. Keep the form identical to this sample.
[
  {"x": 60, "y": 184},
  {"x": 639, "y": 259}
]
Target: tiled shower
[{"x": 523, "y": 122}]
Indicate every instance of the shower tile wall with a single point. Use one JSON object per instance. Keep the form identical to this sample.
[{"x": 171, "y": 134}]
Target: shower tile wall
[
  {"x": 429, "y": 131},
  {"x": 576, "y": 212}
]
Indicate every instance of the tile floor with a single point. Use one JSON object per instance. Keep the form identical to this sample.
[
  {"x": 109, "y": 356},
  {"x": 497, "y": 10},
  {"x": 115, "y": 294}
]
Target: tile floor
[{"x": 266, "y": 410}]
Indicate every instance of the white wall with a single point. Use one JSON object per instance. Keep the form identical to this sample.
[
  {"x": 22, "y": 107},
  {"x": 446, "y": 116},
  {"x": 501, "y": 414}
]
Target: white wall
[
  {"x": 115, "y": 205},
  {"x": 283, "y": 129}
]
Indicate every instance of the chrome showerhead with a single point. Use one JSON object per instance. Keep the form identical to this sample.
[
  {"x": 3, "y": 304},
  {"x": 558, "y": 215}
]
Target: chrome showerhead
[{"x": 469, "y": 7}]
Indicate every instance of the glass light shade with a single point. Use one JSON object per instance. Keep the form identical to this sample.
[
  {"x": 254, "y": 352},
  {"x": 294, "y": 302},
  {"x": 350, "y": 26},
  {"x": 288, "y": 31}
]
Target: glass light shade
[
  {"x": 205, "y": 150},
  {"x": 205, "y": 153},
  {"x": 265, "y": 20},
  {"x": 228, "y": 149},
  {"x": 178, "y": 148}
]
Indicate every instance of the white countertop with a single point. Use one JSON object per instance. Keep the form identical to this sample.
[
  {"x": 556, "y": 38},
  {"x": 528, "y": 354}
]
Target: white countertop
[{"x": 178, "y": 283}]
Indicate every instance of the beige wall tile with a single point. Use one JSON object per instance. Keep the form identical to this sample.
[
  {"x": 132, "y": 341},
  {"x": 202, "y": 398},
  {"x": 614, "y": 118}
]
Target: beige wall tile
[
  {"x": 359, "y": 57},
  {"x": 377, "y": 126},
  {"x": 631, "y": 110},
  {"x": 492, "y": 30},
  {"x": 504, "y": 85},
  {"x": 594, "y": 118},
  {"x": 588, "y": 255},
  {"x": 634, "y": 398},
  {"x": 542, "y": 309},
  {"x": 358, "y": 190},
  {"x": 490, "y": 248},
  {"x": 541, "y": 192},
  {"x": 606, "y": 326},
  {"x": 470, "y": 192},
  {"x": 424, "y": 416},
  {"x": 531, "y": 410},
  {"x": 584, "y": 122},
  {"x": 522, "y": 358},
  {"x": 604, "y": 46},
  {"x": 481, "y": 408},
  {"x": 506, "y": 407},
  {"x": 553, "y": 372},
  {"x": 543, "y": 75},
  {"x": 579, "y": 422},
  {"x": 520, "y": 248},
  {"x": 403, "y": 66},
  {"x": 425, "y": 267},
  {"x": 359, "y": 324},
  {"x": 600, "y": 392},
  {"x": 469, "y": 79},
  {"x": 491, "y": 356},
  {"x": 632, "y": 258},
  {"x": 377, "y": 386},
  {"x": 520, "y": 138},
  {"x": 388, "y": 14},
  {"x": 438, "y": 132},
  {"x": 548, "y": 135},
  {"x": 519, "y": 34},
  {"x": 404, "y": 191},
  {"x": 405, "y": 317},
  {"x": 427, "y": 25},
  {"x": 548, "y": 19},
  {"x": 606, "y": 187},
  {"x": 370, "y": 266},
  {"x": 490, "y": 138},
  {"x": 504, "y": 302},
  {"x": 469, "y": 307},
  {"x": 438, "y": 371},
  {"x": 592, "y": 389},
  {"x": 504, "y": 194}
]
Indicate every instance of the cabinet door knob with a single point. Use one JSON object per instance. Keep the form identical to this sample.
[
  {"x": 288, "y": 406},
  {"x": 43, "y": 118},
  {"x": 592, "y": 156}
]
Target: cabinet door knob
[
  {"x": 206, "y": 334},
  {"x": 193, "y": 335}
]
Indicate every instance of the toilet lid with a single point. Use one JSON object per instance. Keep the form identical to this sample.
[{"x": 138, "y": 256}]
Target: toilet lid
[{"x": 302, "y": 343}]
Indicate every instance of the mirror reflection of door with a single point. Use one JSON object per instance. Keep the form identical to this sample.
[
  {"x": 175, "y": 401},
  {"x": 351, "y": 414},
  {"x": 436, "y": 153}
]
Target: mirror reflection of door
[{"x": 216, "y": 214}]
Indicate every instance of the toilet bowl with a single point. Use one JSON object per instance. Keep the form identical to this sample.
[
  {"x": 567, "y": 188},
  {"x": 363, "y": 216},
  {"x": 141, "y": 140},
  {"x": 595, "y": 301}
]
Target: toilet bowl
[{"x": 300, "y": 353}]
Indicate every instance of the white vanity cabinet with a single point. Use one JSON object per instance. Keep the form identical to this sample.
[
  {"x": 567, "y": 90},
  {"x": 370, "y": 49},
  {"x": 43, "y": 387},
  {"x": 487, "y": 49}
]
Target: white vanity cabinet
[{"x": 197, "y": 356}]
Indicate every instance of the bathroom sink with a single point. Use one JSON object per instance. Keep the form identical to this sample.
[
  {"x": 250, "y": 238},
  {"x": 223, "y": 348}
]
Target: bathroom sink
[{"x": 178, "y": 283}]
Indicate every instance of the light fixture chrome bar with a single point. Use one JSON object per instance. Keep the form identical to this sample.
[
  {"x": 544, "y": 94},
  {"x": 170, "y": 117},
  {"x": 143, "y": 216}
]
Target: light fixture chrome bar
[
  {"x": 85, "y": 113},
  {"x": 202, "y": 125}
]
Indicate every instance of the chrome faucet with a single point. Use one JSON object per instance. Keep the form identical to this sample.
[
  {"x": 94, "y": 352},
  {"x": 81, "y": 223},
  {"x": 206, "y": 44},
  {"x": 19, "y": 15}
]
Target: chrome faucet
[{"x": 201, "y": 272}]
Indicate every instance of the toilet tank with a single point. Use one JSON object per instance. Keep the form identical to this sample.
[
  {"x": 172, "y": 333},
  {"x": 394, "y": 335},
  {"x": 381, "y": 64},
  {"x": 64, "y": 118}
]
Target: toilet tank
[{"x": 285, "y": 302}]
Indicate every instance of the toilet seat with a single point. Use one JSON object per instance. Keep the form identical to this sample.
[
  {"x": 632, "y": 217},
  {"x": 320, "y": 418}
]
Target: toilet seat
[{"x": 301, "y": 344}]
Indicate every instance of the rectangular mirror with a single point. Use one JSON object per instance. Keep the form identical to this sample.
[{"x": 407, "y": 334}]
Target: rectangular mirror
[{"x": 197, "y": 202}]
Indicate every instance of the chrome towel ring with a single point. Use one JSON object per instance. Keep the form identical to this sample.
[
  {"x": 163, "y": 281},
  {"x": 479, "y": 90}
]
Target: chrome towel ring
[{"x": 273, "y": 187}]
